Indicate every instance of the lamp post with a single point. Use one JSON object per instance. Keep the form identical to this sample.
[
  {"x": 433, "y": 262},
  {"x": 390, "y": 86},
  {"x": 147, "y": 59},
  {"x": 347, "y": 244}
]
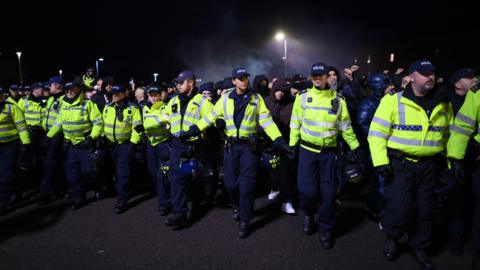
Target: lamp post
[
  {"x": 97, "y": 66},
  {"x": 60, "y": 72},
  {"x": 155, "y": 75},
  {"x": 20, "y": 72},
  {"x": 281, "y": 36}
]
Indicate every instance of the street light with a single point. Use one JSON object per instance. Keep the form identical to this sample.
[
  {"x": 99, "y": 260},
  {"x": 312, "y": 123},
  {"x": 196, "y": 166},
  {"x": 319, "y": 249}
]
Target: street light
[
  {"x": 369, "y": 60},
  {"x": 60, "y": 72},
  {"x": 20, "y": 75},
  {"x": 281, "y": 36},
  {"x": 392, "y": 57},
  {"x": 155, "y": 75},
  {"x": 98, "y": 69}
]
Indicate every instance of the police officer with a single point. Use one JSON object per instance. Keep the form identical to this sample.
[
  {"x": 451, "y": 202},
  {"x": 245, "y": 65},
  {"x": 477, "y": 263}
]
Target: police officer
[
  {"x": 184, "y": 111},
  {"x": 466, "y": 125},
  {"x": 88, "y": 78},
  {"x": 319, "y": 115},
  {"x": 14, "y": 96},
  {"x": 81, "y": 123},
  {"x": 52, "y": 162},
  {"x": 406, "y": 138},
  {"x": 158, "y": 145},
  {"x": 120, "y": 119},
  {"x": 12, "y": 127},
  {"x": 242, "y": 109}
]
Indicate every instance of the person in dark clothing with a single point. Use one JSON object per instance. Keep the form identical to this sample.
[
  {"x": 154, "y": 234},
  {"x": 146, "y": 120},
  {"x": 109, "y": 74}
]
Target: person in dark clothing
[
  {"x": 349, "y": 87},
  {"x": 104, "y": 95},
  {"x": 260, "y": 85},
  {"x": 457, "y": 205},
  {"x": 280, "y": 106}
]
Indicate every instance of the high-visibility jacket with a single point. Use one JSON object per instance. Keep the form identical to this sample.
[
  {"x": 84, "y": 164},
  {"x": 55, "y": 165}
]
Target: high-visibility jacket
[
  {"x": 255, "y": 111},
  {"x": 314, "y": 120},
  {"x": 120, "y": 129},
  {"x": 155, "y": 123},
  {"x": 33, "y": 111},
  {"x": 465, "y": 126},
  {"x": 51, "y": 111},
  {"x": 196, "y": 109},
  {"x": 12, "y": 124},
  {"x": 77, "y": 120},
  {"x": 401, "y": 124},
  {"x": 12, "y": 100}
]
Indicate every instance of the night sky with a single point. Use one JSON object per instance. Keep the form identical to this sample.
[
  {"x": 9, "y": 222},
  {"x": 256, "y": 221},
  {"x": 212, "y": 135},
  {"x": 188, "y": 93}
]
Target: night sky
[{"x": 211, "y": 38}]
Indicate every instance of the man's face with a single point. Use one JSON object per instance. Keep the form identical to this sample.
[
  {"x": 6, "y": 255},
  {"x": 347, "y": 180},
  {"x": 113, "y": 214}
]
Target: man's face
[
  {"x": 13, "y": 94},
  {"x": 185, "y": 87},
  {"x": 332, "y": 76},
  {"x": 423, "y": 81},
  {"x": 154, "y": 96},
  {"x": 2, "y": 97},
  {"x": 207, "y": 94},
  {"x": 140, "y": 94},
  {"x": 241, "y": 83},
  {"x": 98, "y": 86},
  {"x": 55, "y": 88},
  {"x": 279, "y": 94},
  {"x": 117, "y": 97},
  {"x": 465, "y": 83},
  {"x": 319, "y": 80},
  {"x": 108, "y": 88},
  {"x": 37, "y": 92},
  {"x": 73, "y": 92},
  {"x": 293, "y": 91}
]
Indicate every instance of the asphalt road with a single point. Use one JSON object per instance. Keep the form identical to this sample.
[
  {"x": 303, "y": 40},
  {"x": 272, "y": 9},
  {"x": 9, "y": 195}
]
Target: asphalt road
[{"x": 54, "y": 237}]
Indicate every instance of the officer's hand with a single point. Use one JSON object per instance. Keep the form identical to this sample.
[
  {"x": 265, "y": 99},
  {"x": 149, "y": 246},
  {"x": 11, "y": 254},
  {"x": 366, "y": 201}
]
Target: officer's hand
[
  {"x": 456, "y": 168},
  {"x": 139, "y": 128},
  {"x": 385, "y": 171},
  {"x": 220, "y": 124}
]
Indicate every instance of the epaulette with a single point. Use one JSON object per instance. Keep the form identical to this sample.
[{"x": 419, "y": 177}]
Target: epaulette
[{"x": 302, "y": 92}]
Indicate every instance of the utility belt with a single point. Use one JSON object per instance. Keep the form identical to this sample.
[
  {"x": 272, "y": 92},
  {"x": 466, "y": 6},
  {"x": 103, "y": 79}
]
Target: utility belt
[
  {"x": 322, "y": 149},
  {"x": 396, "y": 154},
  {"x": 250, "y": 141}
]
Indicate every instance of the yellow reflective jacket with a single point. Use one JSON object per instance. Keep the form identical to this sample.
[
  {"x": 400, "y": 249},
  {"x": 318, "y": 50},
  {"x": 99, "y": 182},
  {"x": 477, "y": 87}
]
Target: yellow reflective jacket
[
  {"x": 121, "y": 130},
  {"x": 465, "y": 126},
  {"x": 51, "y": 111},
  {"x": 34, "y": 111},
  {"x": 255, "y": 111},
  {"x": 155, "y": 123},
  {"x": 314, "y": 121},
  {"x": 401, "y": 124},
  {"x": 196, "y": 109},
  {"x": 77, "y": 120},
  {"x": 12, "y": 124}
]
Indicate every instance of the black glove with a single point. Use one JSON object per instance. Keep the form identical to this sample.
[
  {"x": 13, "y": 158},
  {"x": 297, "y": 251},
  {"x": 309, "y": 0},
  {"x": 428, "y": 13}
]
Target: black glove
[
  {"x": 139, "y": 128},
  {"x": 284, "y": 148},
  {"x": 456, "y": 168},
  {"x": 193, "y": 131},
  {"x": 220, "y": 124},
  {"x": 88, "y": 143},
  {"x": 385, "y": 171}
]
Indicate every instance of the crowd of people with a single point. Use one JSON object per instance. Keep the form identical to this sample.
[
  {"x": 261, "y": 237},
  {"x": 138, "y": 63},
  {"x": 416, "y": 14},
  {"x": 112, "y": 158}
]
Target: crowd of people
[{"x": 403, "y": 139}]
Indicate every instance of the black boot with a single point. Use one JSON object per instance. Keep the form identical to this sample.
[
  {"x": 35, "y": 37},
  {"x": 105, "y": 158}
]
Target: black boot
[
  {"x": 120, "y": 207},
  {"x": 78, "y": 203},
  {"x": 422, "y": 258},
  {"x": 390, "y": 250},
  {"x": 164, "y": 211},
  {"x": 244, "y": 229},
  {"x": 326, "y": 240},
  {"x": 307, "y": 225},
  {"x": 177, "y": 221}
]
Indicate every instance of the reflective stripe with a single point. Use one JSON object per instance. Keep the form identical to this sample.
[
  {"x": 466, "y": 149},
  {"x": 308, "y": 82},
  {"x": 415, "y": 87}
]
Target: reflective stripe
[
  {"x": 230, "y": 127},
  {"x": 294, "y": 118},
  {"x": 293, "y": 125},
  {"x": 155, "y": 117},
  {"x": 7, "y": 129},
  {"x": 319, "y": 134},
  {"x": 175, "y": 123},
  {"x": 407, "y": 127},
  {"x": 214, "y": 113},
  {"x": 225, "y": 114},
  {"x": 414, "y": 142},
  {"x": 73, "y": 122},
  {"x": 263, "y": 116},
  {"x": 95, "y": 121},
  {"x": 461, "y": 130},
  {"x": 8, "y": 138},
  {"x": 21, "y": 122},
  {"x": 189, "y": 114},
  {"x": 378, "y": 134},
  {"x": 382, "y": 122},
  {"x": 465, "y": 119},
  {"x": 304, "y": 100},
  {"x": 319, "y": 124},
  {"x": 33, "y": 119},
  {"x": 436, "y": 128},
  {"x": 267, "y": 124},
  {"x": 345, "y": 125},
  {"x": 136, "y": 123},
  {"x": 247, "y": 128},
  {"x": 207, "y": 120},
  {"x": 401, "y": 109},
  {"x": 187, "y": 123},
  {"x": 318, "y": 108},
  {"x": 33, "y": 112},
  {"x": 22, "y": 129},
  {"x": 255, "y": 101}
]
